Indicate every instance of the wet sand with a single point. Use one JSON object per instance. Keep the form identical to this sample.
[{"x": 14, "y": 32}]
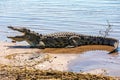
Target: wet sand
[{"x": 78, "y": 50}]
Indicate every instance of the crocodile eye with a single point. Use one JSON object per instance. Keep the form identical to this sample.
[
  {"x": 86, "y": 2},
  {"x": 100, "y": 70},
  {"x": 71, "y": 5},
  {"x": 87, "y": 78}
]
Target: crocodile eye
[{"x": 27, "y": 36}]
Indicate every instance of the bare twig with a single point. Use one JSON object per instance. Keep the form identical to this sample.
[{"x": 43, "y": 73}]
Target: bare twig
[{"x": 107, "y": 31}]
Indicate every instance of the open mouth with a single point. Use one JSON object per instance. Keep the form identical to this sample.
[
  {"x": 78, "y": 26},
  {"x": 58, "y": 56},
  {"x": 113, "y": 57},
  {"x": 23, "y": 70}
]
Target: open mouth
[
  {"x": 16, "y": 38},
  {"x": 20, "y": 37}
]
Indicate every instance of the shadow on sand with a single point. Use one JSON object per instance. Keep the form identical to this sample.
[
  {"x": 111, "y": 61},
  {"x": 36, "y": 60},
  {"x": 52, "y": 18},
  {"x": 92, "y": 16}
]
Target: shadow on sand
[{"x": 25, "y": 47}]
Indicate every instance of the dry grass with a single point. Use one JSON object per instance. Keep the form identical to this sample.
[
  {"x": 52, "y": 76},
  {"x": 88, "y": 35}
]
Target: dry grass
[
  {"x": 17, "y": 73},
  {"x": 78, "y": 49}
]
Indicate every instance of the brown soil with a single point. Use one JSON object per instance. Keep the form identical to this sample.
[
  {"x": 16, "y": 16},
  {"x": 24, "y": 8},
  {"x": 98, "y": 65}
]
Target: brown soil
[{"x": 78, "y": 49}]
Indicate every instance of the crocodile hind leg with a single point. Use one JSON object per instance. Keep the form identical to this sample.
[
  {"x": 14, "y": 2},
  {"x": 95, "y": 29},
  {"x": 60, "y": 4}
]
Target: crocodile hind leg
[
  {"x": 41, "y": 45},
  {"x": 73, "y": 41}
]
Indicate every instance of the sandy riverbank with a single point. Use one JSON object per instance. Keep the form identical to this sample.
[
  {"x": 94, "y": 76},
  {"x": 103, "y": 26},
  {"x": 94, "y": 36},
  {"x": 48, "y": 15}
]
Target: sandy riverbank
[{"x": 14, "y": 54}]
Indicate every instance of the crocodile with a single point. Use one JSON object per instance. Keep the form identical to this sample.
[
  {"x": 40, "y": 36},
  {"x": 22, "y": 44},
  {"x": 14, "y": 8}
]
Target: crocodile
[{"x": 61, "y": 39}]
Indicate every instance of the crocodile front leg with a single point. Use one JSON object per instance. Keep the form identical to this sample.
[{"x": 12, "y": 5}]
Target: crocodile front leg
[{"x": 40, "y": 45}]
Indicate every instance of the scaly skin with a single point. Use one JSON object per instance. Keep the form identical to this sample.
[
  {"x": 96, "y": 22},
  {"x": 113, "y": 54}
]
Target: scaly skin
[{"x": 61, "y": 39}]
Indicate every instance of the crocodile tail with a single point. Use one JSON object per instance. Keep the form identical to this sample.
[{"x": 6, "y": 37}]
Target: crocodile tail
[{"x": 115, "y": 45}]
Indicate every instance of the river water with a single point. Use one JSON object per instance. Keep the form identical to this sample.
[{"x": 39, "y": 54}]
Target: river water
[
  {"x": 81, "y": 16},
  {"x": 44, "y": 16}
]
